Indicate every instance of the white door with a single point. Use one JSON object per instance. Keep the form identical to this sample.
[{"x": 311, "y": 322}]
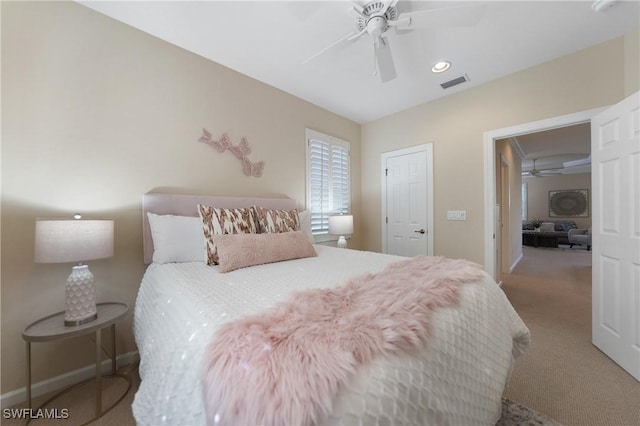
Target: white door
[
  {"x": 407, "y": 190},
  {"x": 615, "y": 150}
]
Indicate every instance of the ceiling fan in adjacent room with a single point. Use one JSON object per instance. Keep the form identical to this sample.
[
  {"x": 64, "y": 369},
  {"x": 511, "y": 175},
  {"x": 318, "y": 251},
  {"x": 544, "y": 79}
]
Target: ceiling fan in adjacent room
[
  {"x": 376, "y": 18},
  {"x": 540, "y": 172},
  {"x": 577, "y": 165}
]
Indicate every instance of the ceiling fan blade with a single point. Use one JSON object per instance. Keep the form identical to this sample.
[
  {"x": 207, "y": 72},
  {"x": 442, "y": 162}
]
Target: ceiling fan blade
[
  {"x": 345, "y": 38},
  {"x": 357, "y": 11},
  {"x": 384, "y": 60},
  {"x": 458, "y": 16},
  {"x": 355, "y": 36}
]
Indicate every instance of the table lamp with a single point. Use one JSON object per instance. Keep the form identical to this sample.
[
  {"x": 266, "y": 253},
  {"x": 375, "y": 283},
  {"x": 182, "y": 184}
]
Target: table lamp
[
  {"x": 341, "y": 225},
  {"x": 75, "y": 240}
]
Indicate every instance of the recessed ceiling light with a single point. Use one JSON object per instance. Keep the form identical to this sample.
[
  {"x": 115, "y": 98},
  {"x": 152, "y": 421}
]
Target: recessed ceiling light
[{"x": 441, "y": 66}]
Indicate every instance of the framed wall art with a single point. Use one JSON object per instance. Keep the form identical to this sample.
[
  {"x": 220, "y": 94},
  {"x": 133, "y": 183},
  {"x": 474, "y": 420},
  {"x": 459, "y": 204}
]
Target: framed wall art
[{"x": 569, "y": 203}]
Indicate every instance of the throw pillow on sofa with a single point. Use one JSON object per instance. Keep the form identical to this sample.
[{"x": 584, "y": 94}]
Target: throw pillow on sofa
[{"x": 547, "y": 227}]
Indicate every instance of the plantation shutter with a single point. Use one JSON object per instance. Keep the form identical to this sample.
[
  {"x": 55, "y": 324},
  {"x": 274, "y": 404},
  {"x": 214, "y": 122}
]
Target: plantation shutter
[
  {"x": 319, "y": 181},
  {"x": 340, "y": 180},
  {"x": 328, "y": 180}
]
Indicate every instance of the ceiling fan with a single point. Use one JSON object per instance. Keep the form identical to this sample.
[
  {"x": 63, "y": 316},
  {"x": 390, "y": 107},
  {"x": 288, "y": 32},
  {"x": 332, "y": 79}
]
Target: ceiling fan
[
  {"x": 540, "y": 172},
  {"x": 376, "y": 18}
]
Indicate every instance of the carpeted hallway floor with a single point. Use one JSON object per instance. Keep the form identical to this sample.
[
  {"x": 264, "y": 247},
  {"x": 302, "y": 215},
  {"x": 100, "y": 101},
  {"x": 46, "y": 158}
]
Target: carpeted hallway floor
[{"x": 563, "y": 375}]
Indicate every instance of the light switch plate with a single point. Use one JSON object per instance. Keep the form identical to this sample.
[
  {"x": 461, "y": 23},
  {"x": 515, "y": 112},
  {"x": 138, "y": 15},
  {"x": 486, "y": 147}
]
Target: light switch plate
[{"x": 457, "y": 215}]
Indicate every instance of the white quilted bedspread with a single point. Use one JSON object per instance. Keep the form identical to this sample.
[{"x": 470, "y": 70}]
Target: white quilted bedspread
[{"x": 458, "y": 379}]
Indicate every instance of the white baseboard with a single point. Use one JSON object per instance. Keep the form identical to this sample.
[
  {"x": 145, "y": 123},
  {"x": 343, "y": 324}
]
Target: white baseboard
[
  {"x": 515, "y": 263},
  {"x": 18, "y": 396}
]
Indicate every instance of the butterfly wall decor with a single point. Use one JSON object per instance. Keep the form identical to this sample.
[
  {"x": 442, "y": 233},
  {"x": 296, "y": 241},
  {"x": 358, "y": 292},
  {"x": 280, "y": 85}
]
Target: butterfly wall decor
[{"x": 241, "y": 151}]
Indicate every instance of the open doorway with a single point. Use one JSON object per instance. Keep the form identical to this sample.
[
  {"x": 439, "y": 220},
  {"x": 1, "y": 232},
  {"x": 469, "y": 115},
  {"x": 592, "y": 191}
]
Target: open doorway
[
  {"x": 493, "y": 249},
  {"x": 614, "y": 144},
  {"x": 553, "y": 186}
]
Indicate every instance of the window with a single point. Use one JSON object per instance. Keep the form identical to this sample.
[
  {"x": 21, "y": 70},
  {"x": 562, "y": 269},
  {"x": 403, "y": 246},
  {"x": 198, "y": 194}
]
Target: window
[
  {"x": 523, "y": 201},
  {"x": 328, "y": 181}
]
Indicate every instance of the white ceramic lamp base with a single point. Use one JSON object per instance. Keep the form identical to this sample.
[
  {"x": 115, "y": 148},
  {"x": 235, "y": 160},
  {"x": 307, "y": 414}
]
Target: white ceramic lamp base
[
  {"x": 80, "y": 297},
  {"x": 341, "y": 225}
]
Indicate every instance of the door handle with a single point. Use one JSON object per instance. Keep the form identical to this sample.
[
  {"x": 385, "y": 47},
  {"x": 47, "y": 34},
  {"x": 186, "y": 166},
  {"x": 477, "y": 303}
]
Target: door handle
[{"x": 421, "y": 231}]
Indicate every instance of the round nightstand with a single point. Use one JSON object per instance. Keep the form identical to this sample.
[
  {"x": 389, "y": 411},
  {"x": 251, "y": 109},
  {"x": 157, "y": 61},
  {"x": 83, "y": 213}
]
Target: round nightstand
[{"x": 52, "y": 328}]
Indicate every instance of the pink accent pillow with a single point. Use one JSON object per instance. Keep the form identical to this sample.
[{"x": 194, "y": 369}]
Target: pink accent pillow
[{"x": 241, "y": 250}]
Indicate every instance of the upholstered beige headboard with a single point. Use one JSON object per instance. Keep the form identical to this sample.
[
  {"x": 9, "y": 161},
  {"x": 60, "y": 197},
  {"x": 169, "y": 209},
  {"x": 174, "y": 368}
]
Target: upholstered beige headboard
[{"x": 187, "y": 205}]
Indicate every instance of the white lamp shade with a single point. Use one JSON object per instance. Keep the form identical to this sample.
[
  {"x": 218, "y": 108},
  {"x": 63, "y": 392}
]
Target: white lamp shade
[
  {"x": 341, "y": 225},
  {"x": 73, "y": 240}
]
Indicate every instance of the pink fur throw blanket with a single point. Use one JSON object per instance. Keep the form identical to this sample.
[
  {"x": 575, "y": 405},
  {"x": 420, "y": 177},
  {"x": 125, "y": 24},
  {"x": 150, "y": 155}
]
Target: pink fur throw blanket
[{"x": 285, "y": 366}]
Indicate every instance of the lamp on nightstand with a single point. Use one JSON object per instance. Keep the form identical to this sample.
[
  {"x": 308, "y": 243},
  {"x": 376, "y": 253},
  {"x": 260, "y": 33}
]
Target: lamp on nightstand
[
  {"x": 341, "y": 225},
  {"x": 75, "y": 240}
]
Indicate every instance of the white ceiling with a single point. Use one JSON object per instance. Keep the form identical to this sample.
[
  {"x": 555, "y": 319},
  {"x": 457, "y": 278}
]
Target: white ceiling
[
  {"x": 553, "y": 148},
  {"x": 270, "y": 40}
]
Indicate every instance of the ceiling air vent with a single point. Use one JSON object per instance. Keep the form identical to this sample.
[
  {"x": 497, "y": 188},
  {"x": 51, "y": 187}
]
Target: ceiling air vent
[{"x": 454, "y": 82}]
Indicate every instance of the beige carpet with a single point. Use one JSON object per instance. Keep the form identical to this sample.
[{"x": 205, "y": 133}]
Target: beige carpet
[{"x": 563, "y": 375}]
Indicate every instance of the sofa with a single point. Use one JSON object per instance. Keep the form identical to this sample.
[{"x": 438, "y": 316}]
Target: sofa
[{"x": 561, "y": 228}]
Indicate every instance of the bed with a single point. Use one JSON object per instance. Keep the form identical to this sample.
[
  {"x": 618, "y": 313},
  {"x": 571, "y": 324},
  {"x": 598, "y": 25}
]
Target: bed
[{"x": 457, "y": 377}]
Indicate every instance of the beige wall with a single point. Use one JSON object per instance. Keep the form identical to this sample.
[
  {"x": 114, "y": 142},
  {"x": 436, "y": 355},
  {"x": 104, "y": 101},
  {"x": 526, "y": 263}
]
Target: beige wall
[
  {"x": 590, "y": 78},
  {"x": 538, "y": 194},
  {"x": 95, "y": 113}
]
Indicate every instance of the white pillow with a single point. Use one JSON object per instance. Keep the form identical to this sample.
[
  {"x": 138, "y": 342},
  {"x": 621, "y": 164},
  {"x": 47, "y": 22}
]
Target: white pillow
[
  {"x": 176, "y": 238},
  {"x": 547, "y": 227},
  {"x": 305, "y": 225}
]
